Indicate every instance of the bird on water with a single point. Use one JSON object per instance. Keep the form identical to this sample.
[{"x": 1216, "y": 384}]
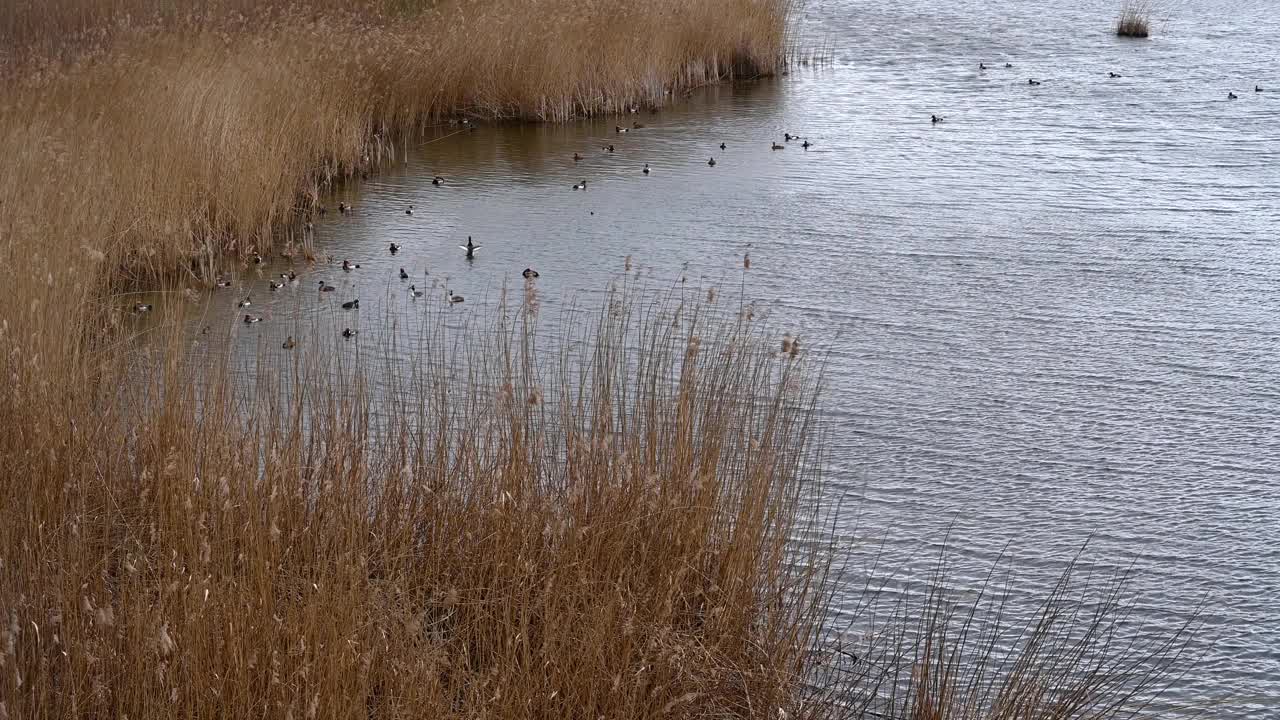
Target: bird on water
[
  {"x": 470, "y": 247},
  {"x": 712, "y": 162},
  {"x": 529, "y": 273}
]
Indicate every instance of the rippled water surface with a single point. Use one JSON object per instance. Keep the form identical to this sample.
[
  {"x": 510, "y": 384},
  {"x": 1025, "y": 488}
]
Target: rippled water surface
[{"x": 1054, "y": 316}]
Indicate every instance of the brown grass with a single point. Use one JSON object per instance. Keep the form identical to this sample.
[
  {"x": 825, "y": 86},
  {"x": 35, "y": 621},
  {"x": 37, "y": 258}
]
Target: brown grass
[
  {"x": 1134, "y": 20},
  {"x": 603, "y": 535}
]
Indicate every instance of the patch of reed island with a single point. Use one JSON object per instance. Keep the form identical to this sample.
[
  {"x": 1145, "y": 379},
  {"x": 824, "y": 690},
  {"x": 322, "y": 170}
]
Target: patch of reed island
[{"x": 1134, "y": 20}]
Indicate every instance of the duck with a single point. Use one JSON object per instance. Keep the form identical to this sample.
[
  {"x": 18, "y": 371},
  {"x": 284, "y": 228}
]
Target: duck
[
  {"x": 1257, "y": 88},
  {"x": 806, "y": 145},
  {"x": 610, "y": 148},
  {"x": 414, "y": 292},
  {"x": 581, "y": 186},
  {"x": 777, "y": 146},
  {"x": 289, "y": 344},
  {"x": 470, "y": 247},
  {"x": 437, "y": 181},
  {"x": 529, "y": 273},
  {"x": 1032, "y": 82},
  {"x": 1113, "y": 74},
  {"x": 403, "y": 275},
  {"x": 257, "y": 259},
  {"x": 251, "y": 319},
  {"x": 139, "y": 308},
  {"x": 1231, "y": 95},
  {"x": 408, "y": 210},
  {"x": 394, "y": 248},
  {"x": 351, "y": 304},
  {"x": 275, "y": 285},
  {"x": 455, "y": 298},
  {"x": 326, "y": 287},
  {"x": 576, "y": 157},
  {"x": 223, "y": 283},
  {"x": 786, "y": 137},
  {"x": 293, "y": 278},
  {"x": 712, "y": 162},
  {"x": 620, "y": 129},
  {"x": 348, "y": 333},
  {"x": 348, "y": 266},
  {"x": 637, "y": 126},
  {"x": 343, "y": 207},
  {"x": 935, "y": 119},
  {"x": 981, "y": 66},
  {"x": 1008, "y": 65},
  {"x": 722, "y": 146},
  {"x": 646, "y": 169},
  {"x": 246, "y": 302}
]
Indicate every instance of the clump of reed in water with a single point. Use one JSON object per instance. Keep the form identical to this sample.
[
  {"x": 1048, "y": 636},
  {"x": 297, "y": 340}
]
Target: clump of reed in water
[{"x": 1134, "y": 20}]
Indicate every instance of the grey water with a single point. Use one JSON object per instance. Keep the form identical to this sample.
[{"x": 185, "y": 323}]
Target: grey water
[{"x": 1052, "y": 318}]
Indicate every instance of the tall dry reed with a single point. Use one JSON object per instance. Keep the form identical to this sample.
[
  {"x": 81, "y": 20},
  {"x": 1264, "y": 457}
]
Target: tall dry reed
[
  {"x": 598, "y": 533},
  {"x": 1135, "y": 19}
]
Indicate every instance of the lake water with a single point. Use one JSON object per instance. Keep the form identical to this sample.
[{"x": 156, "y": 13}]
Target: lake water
[{"x": 1055, "y": 316}]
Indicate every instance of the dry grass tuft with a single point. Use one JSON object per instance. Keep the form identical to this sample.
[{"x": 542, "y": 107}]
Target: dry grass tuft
[{"x": 1135, "y": 19}]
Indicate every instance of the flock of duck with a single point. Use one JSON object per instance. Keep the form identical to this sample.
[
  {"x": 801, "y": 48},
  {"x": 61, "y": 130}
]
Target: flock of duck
[
  {"x": 983, "y": 67},
  {"x": 290, "y": 279}
]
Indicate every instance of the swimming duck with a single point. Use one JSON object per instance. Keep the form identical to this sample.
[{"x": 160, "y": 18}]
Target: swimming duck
[
  {"x": 610, "y": 148},
  {"x": 437, "y": 181},
  {"x": 1113, "y": 74},
  {"x": 981, "y": 66},
  {"x": 646, "y": 169},
  {"x": 806, "y": 145},
  {"x": 284, "y": 276},
  {"x": 470, "y": 247},
  {"x": 408, "y": 210},
  {"x": 576, "y": 157},
  {"x": 348, "y": 333},
  {"x": 414, "y": 292},
  {"x": 712, "y": 162},
  {"x": 223, "y": 283},
  {"x": 1032, "y": 82},
  {"x": 275, "y": 285},
  {"x": 637, "y": 126},
  {"x": 326, "y": 287},
  {"x": 348, "y": 266},
  {"x": 251, "y": 319},
  {"x": 529, "y": 273},
  {"x": 1008, "y": 65},
  {"x": 139, "y": 308},
  {"x": 351, "y": 304},
  {"x": 342, "y": 208},
  {"x": 455, "y": 298},
  {"x": 619, "y": 129},
  {"x": 786, "y": 137},
  {"x": 777, "y": 146},
  {"x": 394, "y": 248},
  {"x": 246, "y": 301},
  {"x": 1231, "y": 95},
  {"x": 257, "y": 259},
  {"x": 289, "y": 344},
  {"x": 935, "y": 119},
  {"x": 581, "y": 186},
  {"x": 293, "y": 278},
  {"x": 1257, "y": 88},
  {"x": 722, "y": 147},
  {"x": 403, "y": 275}
]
